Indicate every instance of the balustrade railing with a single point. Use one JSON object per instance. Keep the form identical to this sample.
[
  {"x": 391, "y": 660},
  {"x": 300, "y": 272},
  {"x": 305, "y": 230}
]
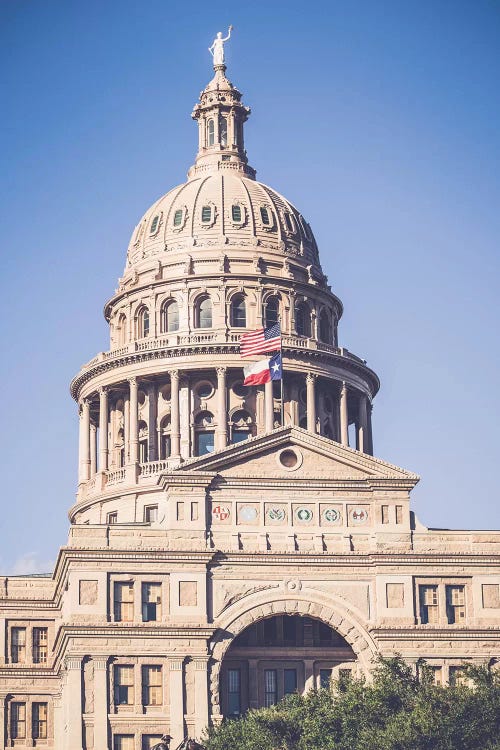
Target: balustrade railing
[
  {"x": 115, "y": 476},
  {"x": 151, "y": 468}
]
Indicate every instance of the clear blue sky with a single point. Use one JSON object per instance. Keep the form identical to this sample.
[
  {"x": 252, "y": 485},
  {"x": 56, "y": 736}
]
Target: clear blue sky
[{"x": 380, "y": 121}]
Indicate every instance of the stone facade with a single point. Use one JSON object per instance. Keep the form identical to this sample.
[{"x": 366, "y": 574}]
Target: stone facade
[{"x": 229, "y": 544}]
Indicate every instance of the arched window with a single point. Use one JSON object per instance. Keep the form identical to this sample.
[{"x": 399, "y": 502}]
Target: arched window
[
  {"x": 143, "y": 323},
  {"x": 241, "y": 426},
  {"x": 272, "y": 311},
  {"x": 204, "y": 438},
  {"x": 143, "y": 442},
  {"x": 154, "y": 224},
  {"x": 203, "y": 313},
  {"x": 238, "y": 311},
  {"x": 303, "y": 319},
  {"x": 210, "y": 133},
  {"x": 325, "y": 329},
  {"x": 223, "y": 131},
  {"x": 121, "y": 330},
  {"x": 165, "y": 444},
  {"x": 170, "y": 316}
]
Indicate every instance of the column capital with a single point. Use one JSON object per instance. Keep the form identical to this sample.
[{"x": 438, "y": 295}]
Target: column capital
[
  {"x": 221, "y": 371},
  {"x": 103, "y": 390},
  {"x": 174, "y": 374},
  {"x": 132, "y": 380},
  {"x": 100, "y": 662},
  {"x": 311, "y": 377},
  {"x": 200, "y": 662},
  {"x": 175, "y": 663},
  {"x": 72, "y": 662}
]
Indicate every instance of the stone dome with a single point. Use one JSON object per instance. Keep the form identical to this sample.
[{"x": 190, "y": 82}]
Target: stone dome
[{"x": 218, "y": 210}]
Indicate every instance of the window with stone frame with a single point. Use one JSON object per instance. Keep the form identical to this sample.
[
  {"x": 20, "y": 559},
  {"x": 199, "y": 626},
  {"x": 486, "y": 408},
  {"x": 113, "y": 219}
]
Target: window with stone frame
[
  {"x": 151, "y": 513},
  {"x": 123, "y": 742},
  {"x": 238, "y": 311},
  {"x": 17, "y": 721},
  {"x": 112, "y": 518},
  {"x": 234, "y": 692},
  {"x": 143, "y": 323},
  {"x": 40, "y": 645},
  {"x": 124, "y": 684},
  {"x": 169, "y": 316},
  {"x": 152, "y": 691},
  {"x": 18, "y": 645},
  {"x": 272, "y": 311},
  {"x": 203, "y": 313},
  {"x": 151, "y": 602},
  {"x": 123, "y": 604},
  {"x": 270, "y": 687},
  {"x": 455, "y": 604},
  {"x": 39, "y": 721},
  {"x": 429, "y": 605}
]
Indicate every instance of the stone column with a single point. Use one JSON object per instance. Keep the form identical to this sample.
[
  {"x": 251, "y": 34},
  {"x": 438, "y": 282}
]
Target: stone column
[
  {"x": 152, "y": 420},
  {"x": 175, "y": 428},
  {"x": 126, "y": 428},
  {"x": 93, "y": 449},
  {"x": 370, "y": 433},
  {"x": 269, "y": 406},
  {"x": 134, "y": 421},
  {"x": 221, "y": 408},
  {"x": 176, "y": 700},
  {"x": 362, "y": 424},
  {"x": 103, "y": 429},
  {"x": 57, "y": 722},
  {"x": 344, "y": 418},
  {"x": 85, "y": 441},
  {"x": 2, "y": 721},
  {"x": 311, "y": 401},
  {"x": 73, "y": 704},
  {"x": 101, "y": 703},
  {"x": 200, "y": 695},
  {"x": 308, "y": 675}
]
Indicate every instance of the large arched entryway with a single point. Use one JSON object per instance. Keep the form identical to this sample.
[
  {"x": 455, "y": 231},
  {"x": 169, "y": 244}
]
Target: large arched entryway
[{"x": 279, "y": 655}]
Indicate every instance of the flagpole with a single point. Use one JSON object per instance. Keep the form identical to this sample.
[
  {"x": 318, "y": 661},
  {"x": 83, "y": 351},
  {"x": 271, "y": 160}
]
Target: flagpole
[{"x": 282, "y": 378}]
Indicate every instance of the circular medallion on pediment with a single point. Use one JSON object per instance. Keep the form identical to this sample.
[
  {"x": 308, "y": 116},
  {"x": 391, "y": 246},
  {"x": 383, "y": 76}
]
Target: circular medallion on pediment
[
  {"x": 332, "y": 515},
  {"x": 220, "y": 512},
  {"x": 289, "y": 459},
  {"x": 276, "y": 514},
  {"x": 247, "y": 513}
]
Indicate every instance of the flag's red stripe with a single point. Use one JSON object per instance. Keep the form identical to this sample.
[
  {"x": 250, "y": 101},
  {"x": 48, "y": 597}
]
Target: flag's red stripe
[{"x": 258, "y": 378}]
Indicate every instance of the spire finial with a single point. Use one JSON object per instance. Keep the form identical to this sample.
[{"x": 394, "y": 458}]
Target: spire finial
[{"x": 217, "y": 49}]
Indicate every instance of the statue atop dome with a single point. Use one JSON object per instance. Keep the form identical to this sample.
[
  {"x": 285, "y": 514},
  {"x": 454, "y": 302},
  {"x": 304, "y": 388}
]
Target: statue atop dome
[{"x": 217, "y": 48}]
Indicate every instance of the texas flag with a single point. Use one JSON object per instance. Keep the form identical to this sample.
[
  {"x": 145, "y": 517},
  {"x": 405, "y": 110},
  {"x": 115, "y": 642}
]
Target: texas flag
[{"x": 263, "y": 371}]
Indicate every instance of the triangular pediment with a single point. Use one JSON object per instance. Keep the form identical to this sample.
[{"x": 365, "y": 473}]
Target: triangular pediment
[{"x": 291, "y": 453}]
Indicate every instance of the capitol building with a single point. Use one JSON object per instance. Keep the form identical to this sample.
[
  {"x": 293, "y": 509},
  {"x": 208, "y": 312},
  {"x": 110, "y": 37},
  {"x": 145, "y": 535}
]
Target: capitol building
[{"x": 229, "y": 544}]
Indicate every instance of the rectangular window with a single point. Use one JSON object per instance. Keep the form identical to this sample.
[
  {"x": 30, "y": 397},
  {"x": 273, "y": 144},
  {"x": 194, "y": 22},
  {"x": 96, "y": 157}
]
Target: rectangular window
[
  {"x": 455, "y": 604},
  {"x": 491, "y": 595},
  {"x": 151, "y": 602},
  {"x": 18, "y": 646},
  {"x": 143, "y": 451},
  {"x": 18, "y": 721},
  {"x": 39, "y": 721},
  {"x": 178, "y": 217},
  {"x": 124, "y": 685},
  {"x": 399, "y": 514},
  {"x": 385, "y": 514},
  {"x": 39, "y": 645},
  {"x": 289, "y": 681},
  {"x": 264, "y": 215},
  {"x": 112, "y": 518},
  {"x": 429, "y": 607},
  {"x": 123, "y": 742},
  {"x": 270, "y": 687},
  {"x": 152, "y": 686},
  {"x": 325, "y": 678},
  {"x": 206, "y": 215},
  {"x": 151, "y": 513},
  {"x": 234, "y": 692},
  {"x": 124, "y": 601},
  {"x": 457, "y": 676},
  {"x": 236, "y": 213}
]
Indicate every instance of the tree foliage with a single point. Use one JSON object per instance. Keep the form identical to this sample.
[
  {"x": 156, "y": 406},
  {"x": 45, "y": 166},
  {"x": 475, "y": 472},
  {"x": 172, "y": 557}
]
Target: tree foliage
[{"x": 396, "y": 711}]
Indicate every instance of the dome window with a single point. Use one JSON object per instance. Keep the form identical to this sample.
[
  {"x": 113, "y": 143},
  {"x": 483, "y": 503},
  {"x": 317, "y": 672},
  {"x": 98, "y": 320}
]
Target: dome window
[
  {"x": 303, "y": 319},
  {"x": 223, "y": 131},
  {"x": 289, "y": 222},
  {"x": 272, "y": 311},
  {"x": 206, "y": 214},
  {"x": 264, "y": 215},
  {"x": 203, "y": 313},
  {"x": 210, "y": 133},
  {"x": 170, "y": 316},
  {"x": 178, "y": 217},
  {"x": 325, "y": 329},
  {"x": 154, "y": 224},
  {"x": 143, "y": 323},
  {"x": 236, "y": 213},
  {"x": 238, "y": 311}
]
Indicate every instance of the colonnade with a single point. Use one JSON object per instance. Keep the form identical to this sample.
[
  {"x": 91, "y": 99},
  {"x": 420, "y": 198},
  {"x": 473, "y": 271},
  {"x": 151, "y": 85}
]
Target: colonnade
[{"x": 351, "y": 407}]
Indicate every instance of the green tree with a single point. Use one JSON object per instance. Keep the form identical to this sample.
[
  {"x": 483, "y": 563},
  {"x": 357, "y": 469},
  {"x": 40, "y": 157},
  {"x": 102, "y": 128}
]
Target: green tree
[{"x": 396, "y": 711}]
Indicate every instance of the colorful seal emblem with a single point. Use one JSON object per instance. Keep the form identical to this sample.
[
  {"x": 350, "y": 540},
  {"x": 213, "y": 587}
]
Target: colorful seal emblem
[{"x": 220, "y": 512}]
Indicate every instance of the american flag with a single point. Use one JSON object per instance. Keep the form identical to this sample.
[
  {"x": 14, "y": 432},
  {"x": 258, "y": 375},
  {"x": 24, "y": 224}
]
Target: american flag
[{"x": 261, "y": 341}]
